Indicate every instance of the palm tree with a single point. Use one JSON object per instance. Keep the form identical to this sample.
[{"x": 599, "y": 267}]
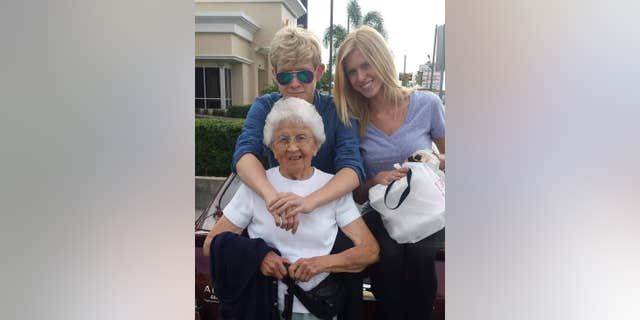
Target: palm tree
[
  {"x": 339, "y": 34},
  {"x": 374, "y": 19},
  {"x": 354, "y": 14},
  {"x": 354, "y": 19}
]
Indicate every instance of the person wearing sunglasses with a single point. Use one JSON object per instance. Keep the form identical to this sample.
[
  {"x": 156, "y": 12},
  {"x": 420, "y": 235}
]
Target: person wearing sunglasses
[{"x": 296, "y": 67}]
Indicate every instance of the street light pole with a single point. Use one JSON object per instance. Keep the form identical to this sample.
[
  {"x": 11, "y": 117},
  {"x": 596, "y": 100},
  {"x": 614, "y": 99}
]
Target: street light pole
[
  {"x": 433, "y": 63},
  {"x": 444, "y": 33},
  {"x": 404, "y": 72},
  {"x": 331, "y": 47}
]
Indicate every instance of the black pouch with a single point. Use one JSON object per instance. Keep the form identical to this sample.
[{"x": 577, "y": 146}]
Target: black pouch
[{"x": 325, "y": 301}]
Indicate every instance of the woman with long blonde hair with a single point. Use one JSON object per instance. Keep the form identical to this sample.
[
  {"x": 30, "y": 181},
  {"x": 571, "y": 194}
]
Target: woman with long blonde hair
[{"x": 393, "y": 123}]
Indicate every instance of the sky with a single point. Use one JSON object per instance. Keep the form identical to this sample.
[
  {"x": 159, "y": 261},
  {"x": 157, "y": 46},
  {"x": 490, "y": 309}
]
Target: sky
[{"x": 410, "y": 25}]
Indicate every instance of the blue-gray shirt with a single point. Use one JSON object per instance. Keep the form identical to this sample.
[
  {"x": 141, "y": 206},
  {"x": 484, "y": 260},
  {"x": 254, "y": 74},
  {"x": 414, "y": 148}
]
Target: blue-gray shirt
[
  {"x": 424, "y": 122},
  {"x": 340, "y": 150}
]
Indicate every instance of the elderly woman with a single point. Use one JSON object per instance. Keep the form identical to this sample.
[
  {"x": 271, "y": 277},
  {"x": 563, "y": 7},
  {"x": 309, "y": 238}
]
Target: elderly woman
[{"x": 294, "y": 132}]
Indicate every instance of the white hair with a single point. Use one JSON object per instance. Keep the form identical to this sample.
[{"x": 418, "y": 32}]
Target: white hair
[{"x": 294, "y": 110}]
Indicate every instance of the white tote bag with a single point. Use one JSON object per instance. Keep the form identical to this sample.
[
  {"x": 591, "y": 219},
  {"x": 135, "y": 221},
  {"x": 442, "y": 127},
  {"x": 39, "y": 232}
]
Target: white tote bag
[{"x": 411, "y": 208}]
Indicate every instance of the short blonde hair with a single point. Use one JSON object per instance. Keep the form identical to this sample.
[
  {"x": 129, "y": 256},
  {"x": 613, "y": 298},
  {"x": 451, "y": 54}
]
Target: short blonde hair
[
  {"x": 293, "y": 110},
  {"x": 293, "y": 45},
  {"x": 350, "y": 103}
]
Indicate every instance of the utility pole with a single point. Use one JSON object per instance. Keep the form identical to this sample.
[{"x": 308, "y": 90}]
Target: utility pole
[
  {"x": 404, "y": 72},
  {"x": 444, "y": 33},
  {"x": 331, "y": 48},
  {"x": 433, "y": 63}
]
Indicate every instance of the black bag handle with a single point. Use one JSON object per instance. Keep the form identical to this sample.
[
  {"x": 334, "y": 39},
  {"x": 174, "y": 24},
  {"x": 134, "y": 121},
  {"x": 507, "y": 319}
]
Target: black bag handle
[
  {"x": 404, "y": 195},
  {"x": 287, "y": 313}
]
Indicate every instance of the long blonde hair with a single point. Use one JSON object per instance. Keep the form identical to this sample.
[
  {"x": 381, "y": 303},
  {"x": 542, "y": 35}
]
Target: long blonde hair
[{"x": 350, "y": 103}]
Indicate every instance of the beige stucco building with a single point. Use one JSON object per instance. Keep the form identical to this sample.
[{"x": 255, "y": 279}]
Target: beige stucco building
[{"x": 232, "y": 48}]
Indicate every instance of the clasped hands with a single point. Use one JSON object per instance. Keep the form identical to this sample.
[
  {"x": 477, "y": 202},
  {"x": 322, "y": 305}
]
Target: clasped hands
[
  {"x": 303, "y": 269},
  {"x": 285, "y": 206}
]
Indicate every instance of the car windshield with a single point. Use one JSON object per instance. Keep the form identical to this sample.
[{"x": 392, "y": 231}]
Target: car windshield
[{"x": 225, "y": 195}]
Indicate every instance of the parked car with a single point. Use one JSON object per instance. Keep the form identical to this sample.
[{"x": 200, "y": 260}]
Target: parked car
[{"x": 206, "y": 301}]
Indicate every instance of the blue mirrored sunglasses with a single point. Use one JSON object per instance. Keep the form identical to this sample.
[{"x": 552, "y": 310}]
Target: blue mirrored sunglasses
[{"x": 304, "y": 76}]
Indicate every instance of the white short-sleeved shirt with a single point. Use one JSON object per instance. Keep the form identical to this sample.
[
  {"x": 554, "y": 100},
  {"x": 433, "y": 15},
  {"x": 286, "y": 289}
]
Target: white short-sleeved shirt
[{"x": 317, "y": 230}]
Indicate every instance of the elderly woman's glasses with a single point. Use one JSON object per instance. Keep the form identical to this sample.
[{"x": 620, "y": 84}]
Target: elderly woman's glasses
[
  {"x": 300, "y": 140},
  {"x": 304, "y": 76}
]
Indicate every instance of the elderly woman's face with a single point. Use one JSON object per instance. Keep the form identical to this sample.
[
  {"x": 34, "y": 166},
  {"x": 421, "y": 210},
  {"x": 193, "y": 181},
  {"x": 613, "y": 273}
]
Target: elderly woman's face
[{"x": 294, "y": 146}]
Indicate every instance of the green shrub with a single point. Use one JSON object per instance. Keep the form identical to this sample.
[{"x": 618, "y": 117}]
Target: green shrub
[
  {"x": 215, "y": 140},
  {"x": 218, "y": 112},
  {"x": 238, "y": 111},
  {"x": 272, "y": 88}
]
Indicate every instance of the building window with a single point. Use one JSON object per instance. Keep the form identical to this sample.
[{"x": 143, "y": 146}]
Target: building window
[{"x": 210, "y": 84}]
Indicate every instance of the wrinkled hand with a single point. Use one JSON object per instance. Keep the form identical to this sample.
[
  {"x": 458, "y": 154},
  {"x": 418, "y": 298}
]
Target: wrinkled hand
[
  {"x": 286, "y": 222},
  {"x": 273, "y": 265},
  {"x": 280, "y": 217},
  {"x": 386, "y": 177},
  {"x": 289, "y": 205},
  {"x": 305, "y": 268}
]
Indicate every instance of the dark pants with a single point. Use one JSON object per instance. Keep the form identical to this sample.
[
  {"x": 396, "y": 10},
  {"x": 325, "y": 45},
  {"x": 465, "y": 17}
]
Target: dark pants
[{"x": 404, "y": 280}]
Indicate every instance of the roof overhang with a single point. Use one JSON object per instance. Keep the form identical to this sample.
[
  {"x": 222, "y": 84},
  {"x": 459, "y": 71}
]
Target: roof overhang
[
  {"x": 226, "y": 22},
  {"x": 295, "y": 6},
  {"x": 224, "y": 58}
]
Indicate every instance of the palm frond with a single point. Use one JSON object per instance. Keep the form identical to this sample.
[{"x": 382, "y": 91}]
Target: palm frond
[
  {"x": 375, "y": 20},
  {"x": 339, "y": 33},
  {"x": 354, "y": 13}
]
